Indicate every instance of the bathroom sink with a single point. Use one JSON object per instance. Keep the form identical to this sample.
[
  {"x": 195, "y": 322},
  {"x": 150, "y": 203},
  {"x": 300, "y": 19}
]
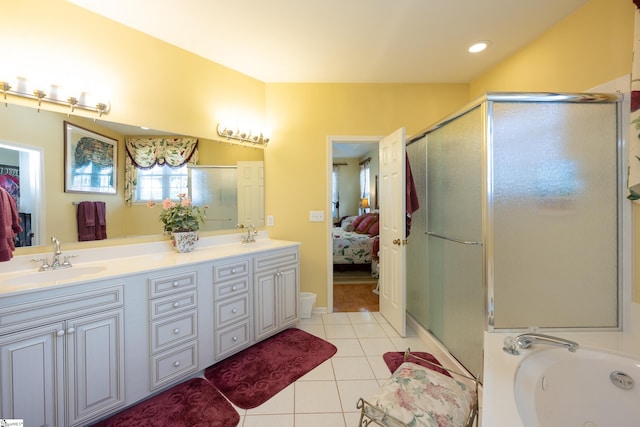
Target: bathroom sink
[{"x": 54, "y": 275}]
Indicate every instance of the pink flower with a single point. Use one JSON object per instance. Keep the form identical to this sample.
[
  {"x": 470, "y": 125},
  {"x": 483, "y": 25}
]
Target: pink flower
[
  {"x": 151, "y": 204},
  {"x": 185, "y": 201},
  {"x": 167, "y": 203}
]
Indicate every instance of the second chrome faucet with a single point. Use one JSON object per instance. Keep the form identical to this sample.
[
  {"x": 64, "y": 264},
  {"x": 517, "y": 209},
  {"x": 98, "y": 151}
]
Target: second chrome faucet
[{"x": 523, "y": 341}]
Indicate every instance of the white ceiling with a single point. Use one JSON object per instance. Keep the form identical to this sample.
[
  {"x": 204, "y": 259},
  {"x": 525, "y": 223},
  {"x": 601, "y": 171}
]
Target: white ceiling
[{"x": 350, "y": 41}]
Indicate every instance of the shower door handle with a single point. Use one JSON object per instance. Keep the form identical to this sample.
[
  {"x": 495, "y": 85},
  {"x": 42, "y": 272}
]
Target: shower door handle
[{"x": 451, "y": 239}]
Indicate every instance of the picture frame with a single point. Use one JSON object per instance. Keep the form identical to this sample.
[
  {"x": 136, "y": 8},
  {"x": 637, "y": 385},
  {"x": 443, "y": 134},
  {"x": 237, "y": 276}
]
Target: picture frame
[{"x": 90, "y": 161}]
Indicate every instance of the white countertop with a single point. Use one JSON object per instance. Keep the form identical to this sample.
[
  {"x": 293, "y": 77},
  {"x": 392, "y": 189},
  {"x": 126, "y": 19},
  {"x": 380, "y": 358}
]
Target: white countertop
[
  {"x": 498, "y": 405},
  {"x": 20, "y": 275}
]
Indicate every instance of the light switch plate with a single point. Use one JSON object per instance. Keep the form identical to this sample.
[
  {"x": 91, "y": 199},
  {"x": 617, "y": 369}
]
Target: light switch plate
[
  {"x": 270, "y": 220},
  {"x": 316, "y": 216}
]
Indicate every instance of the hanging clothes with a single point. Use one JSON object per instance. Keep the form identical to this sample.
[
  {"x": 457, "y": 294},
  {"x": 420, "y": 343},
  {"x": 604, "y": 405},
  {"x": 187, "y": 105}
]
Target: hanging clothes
[
  {"x": 9, "y": 225},
  {"x": 412, "y": 203}
]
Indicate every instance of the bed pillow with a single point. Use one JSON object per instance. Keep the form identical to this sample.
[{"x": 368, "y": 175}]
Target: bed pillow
[
  {"x": 347, "y": 226},
  {"x": 375, "y": 229},
  {"x": 364, "y": 226},
  {"x": 347, "y": 220},
  {"x": 358, "y": 220}
]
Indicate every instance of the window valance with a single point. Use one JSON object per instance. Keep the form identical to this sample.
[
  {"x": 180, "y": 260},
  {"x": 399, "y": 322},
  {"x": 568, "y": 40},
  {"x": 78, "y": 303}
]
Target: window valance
[{"x": 146, "y": 152}]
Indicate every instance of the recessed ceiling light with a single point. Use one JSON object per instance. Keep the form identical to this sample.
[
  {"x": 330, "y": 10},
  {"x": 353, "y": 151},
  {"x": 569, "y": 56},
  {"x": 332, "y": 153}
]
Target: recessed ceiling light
[{"x": 478, "y": 47}]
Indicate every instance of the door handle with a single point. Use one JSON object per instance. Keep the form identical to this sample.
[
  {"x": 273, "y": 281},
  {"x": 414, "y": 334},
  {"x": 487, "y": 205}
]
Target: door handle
[{"x": 396, "y": 242}]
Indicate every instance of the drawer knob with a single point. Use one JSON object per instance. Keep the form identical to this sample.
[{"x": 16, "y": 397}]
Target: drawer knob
[
  {"x": 233, "y": 288},
  {"x": 176, "y": 304},
  {"x": 234, "y": 339},
  {"x": 176, "y": 284},
  {"x": 176, "y": 364},
  {"x": 234, "y": 311},
  {"x": 176, "y": 331},
  {"x": 234, "y": 271}
]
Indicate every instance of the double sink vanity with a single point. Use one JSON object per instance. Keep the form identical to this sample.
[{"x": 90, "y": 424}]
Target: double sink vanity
[{"x": 125, "y": 322}]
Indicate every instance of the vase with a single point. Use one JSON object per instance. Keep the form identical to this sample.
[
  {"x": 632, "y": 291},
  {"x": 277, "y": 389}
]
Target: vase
[{"x": 185, "y": 241}]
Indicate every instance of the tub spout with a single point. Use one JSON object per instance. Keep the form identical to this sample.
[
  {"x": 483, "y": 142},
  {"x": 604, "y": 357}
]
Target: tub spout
[{"x": 527, "y": 340}]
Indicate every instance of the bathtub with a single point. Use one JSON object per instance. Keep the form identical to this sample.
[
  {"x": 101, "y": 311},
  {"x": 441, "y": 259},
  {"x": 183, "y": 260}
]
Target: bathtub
[{"x": 589, "y": 388}]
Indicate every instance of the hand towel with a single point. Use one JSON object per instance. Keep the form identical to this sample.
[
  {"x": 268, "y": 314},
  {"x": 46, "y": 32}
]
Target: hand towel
[
  {"x": 412, "y": 202},
  {"x": 9, "y": 225},
  {"x": 86, "y": 215},
  {"x": 101, "y": 220}
]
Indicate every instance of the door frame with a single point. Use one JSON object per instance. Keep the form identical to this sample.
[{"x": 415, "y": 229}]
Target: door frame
[{"x": 329, "y": 206}]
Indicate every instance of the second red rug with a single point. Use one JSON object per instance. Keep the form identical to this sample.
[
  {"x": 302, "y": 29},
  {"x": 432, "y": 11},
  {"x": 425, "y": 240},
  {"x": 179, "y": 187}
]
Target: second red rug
[{"x": 253, "y": 376}]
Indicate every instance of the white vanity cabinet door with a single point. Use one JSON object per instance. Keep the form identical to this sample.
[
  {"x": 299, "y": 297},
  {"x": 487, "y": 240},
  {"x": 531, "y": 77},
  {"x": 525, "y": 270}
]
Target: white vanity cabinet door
[
  {"x": 30, "y": 389},
  {"x": 276, "y": 287},
  {"x": 95, "y": 362}
]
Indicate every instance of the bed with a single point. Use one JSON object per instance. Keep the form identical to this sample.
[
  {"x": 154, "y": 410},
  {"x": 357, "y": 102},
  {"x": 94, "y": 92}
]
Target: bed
[{"x": 355, "y": 240}]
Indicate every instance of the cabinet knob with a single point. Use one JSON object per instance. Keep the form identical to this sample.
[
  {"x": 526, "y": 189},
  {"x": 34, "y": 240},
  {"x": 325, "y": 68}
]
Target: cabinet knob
[
  {"x": 234, "y": 311},
  {"x": 234, "y": 271},
  {"x": 176, "y": 364},
  {"x": 71, "y": 330},
  {"x": 234, "y": 339},
  {"x": 176, "y": 304},
  {"x": 176, "y": 331},
  {"x": 60, "y": 333},
  {"x": 176, "y": 284},
  {"x": 233, "y": 288}
]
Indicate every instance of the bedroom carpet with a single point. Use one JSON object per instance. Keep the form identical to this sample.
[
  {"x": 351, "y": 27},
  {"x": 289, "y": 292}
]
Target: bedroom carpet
[
  {"x": 194, "y": 403},
  {"x": 396, "y": 358},
  {"x": 253, "y": 376}
]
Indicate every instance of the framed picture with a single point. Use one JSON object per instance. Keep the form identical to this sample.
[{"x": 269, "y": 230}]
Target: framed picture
[{"x": 90, "y": 161}]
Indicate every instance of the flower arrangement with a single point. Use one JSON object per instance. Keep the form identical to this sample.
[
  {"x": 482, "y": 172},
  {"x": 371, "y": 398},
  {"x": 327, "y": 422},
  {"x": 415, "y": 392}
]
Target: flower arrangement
[{"x": 180, "y": 216}]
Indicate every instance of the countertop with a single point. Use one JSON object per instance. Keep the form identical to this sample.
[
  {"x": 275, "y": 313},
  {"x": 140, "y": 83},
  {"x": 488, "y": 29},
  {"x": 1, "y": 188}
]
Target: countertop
[{"x": 21, "y": 275}]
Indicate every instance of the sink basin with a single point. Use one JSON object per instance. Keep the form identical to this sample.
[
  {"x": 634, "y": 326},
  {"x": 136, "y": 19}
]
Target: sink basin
[{"x": 54, "y": 275}]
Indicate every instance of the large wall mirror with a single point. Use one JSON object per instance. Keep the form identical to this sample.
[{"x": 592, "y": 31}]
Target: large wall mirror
[{"x": 32, "y": 167}]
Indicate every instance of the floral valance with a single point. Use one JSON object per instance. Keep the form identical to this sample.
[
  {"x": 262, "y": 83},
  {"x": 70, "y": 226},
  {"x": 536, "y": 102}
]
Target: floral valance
[{"x": 146, "y": 152}]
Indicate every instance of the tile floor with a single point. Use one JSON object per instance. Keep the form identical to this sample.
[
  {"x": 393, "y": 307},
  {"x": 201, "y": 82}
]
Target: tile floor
[{"x": 327, "y": 396}]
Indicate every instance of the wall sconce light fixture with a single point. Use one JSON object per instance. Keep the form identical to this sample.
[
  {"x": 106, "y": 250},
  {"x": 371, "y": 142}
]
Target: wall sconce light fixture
[
  {"x": 256, "y": 138},
  {"x": 54, "y": 97}
]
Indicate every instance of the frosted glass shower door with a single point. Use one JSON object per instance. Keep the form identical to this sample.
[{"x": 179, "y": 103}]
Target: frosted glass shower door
[
  {"x": 554, "y": 222},
  {"x": 455, "y": 251}
]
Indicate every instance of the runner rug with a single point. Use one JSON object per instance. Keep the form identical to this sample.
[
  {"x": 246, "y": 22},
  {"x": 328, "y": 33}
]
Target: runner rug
[
  {"x": 252, "y": 376},
  {"x": 395, "y": 359},
  {"x": 194, "y": 403}
]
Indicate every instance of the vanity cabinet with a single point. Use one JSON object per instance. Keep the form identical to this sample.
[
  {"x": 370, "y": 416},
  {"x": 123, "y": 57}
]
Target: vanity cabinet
[
  {"x": 275, "y": 285},
  {"x": 61, "y": 357},
  {"x": 231, "y": 306},
  {"x": 173, "y": 327}
]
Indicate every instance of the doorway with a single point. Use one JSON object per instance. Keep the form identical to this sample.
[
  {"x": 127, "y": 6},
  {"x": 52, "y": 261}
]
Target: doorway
[{"x": 352, "y": 282}]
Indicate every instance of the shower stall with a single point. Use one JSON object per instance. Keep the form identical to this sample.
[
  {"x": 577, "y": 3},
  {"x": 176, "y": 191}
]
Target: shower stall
[{"x": 520, "y": 226}]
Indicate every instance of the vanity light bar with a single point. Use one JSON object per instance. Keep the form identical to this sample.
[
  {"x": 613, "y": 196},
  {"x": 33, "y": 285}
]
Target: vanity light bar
[
  {"x": 42, "y": 96},
  {"x": 250, "y": 137}
]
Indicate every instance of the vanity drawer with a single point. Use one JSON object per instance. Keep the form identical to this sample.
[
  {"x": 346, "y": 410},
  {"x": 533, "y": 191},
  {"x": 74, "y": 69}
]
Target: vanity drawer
[
  {"x": 170, "y": 284},
  {"x": 172, "y": 304},
  {"x": 230, "y": 270},
  {"x": 172, "y": 331},
  {"x": 170, "y": 365},
  {"x": 231, "y": 288},
  {"x": 231, "y": 310},
  {"x": 230, "y": 340},
  {"x": 275, "y": 259}
]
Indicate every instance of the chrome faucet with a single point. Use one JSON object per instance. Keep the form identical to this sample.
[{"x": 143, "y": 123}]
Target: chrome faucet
[
  {"x": 55, "y": 260},
  {"x": 251, "y": 234},
  {"x": 523, "y": 341}
]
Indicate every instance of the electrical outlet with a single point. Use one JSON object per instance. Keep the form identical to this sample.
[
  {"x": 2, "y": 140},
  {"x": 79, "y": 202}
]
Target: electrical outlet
[
  {"x": 270, "y": 220},
  {"x": 316, "y": 216}
]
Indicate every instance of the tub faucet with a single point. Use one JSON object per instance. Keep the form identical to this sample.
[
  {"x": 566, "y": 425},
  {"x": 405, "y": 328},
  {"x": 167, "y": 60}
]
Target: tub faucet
[{"x": 514, "y": 345}]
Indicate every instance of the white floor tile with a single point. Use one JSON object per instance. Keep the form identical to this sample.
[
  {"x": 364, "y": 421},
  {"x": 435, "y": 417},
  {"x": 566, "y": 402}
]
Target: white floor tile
[
  {"x": 379, "y": 367},
  {"x": 315, "y": 319},
  {"x": 281, "y": 403},
  {"x": 369, "y": 330},
  {"x": 316, "y": 396},
  {"x": 321, "y": 420},
  {"x": 352, "y": 368},
  {"x": 335, "y": 319},
  {"x": 351, "y": 391},
  {"x": 347, "y": 347},
  {"x": 352, "y": 418},
  {"x": 376, "y": 346},
  {"x": 280, "y": 420},
  {"x": 323, "y": 372},
  {"x": 339, "y": 331},
  {"x": 314, "y": 329},
  {"x": 361, "y": 317}
]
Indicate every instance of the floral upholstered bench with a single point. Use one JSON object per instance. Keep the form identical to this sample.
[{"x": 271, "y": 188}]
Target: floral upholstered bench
[{"x": 418, "y": 396}]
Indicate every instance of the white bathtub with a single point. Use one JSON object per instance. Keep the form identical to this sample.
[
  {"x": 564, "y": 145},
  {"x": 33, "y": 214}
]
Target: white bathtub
[{"x": 554, "y": 387}]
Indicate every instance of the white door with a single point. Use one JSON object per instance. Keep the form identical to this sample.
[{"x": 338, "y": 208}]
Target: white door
[
  {"x": 392, "y": 230},
  {"x": 251, "y": 193}
]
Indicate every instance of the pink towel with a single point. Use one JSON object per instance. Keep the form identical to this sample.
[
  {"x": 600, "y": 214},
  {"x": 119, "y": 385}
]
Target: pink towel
[
  {"x": 86, "y": 221},
  {"x": 412, "y": 195},
  {"x": 101, "y": 222},
  {"x": 9, "y": 225}
]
